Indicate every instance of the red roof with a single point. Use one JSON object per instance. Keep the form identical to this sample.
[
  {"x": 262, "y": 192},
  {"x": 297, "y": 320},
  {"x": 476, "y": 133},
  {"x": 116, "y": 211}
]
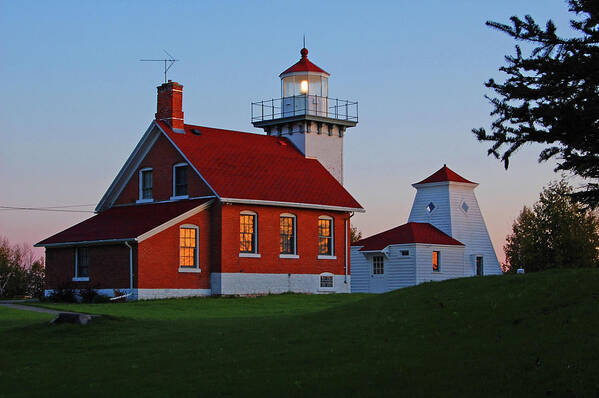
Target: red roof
[
  {"x": 412, "y": 232},
  {"x": 258, "y": 167},
  {"x": 123, "y": 222},
  {"x": 304, "y": 65},
  {"x": 445, "y": 174}
]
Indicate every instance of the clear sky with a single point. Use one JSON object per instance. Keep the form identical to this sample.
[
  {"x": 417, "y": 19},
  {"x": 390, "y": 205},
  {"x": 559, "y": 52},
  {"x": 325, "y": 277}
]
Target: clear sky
[{"x": 75, "y": 100}]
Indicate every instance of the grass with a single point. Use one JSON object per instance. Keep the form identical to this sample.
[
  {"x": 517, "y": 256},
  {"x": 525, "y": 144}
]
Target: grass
[{"x": 513, "y": 335}]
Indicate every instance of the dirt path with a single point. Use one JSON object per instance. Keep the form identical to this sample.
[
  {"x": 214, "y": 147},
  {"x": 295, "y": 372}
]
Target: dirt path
[{"x": 39, "y": 309}]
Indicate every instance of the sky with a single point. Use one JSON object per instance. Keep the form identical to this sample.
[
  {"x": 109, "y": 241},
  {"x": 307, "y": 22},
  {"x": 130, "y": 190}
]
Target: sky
[{"x": 76, "y": 100}]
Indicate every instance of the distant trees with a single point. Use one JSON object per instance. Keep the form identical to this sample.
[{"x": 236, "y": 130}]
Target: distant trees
[
  {"x": 354, "y": 234},
  {"x": 555, "y": 233},
  {"x": 551, "y": 97},
  {"x": 21, "y": 274}
]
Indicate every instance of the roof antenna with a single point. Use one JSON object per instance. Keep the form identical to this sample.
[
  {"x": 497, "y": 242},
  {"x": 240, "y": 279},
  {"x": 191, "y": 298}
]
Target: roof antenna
[
  {"x": 171, "y": 60},
  {"x": 304, "y": 40}
]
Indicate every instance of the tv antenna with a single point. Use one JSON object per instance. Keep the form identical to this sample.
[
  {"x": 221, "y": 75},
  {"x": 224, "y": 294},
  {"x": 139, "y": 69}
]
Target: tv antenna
[{"x": 168, "y": 62}]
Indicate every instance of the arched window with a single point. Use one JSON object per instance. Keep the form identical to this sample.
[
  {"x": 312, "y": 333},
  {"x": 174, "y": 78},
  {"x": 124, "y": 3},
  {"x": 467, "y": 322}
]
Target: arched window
[
  {"x": 288, "y": 236},
  {"x": 248, "y": 232},
  {"x": 326, "y": 236},
  {"x": 189, "y": 246}
]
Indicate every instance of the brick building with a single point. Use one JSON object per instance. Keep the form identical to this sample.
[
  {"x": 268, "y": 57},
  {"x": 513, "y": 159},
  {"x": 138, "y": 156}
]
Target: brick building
[{"x": 200, "y": 211}]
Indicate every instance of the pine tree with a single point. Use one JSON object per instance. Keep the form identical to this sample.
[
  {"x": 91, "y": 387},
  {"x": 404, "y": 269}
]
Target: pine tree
[
  {"x": 555, "y": 233},
  {"x": 551, "y": 97}
]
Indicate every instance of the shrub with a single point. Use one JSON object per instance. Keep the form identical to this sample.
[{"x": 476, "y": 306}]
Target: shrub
[{"x": 64, "y": 293}]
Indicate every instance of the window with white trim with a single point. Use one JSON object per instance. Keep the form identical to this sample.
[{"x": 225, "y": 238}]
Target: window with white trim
[
  {"x": 378, "y": 265},
  {"x": 326, "y": 281},
  {"x": 436, "y": 261},
  {"x": 81, "y": 262},
  {"x": 287, "y": 234},
  {"x": 180, "y": 180},
  {"x": 248, "y": 232},
  {"x": 145, "y": 184},
  {"x": 325, "y": 236},
  {"x": 188, "y": 246}
]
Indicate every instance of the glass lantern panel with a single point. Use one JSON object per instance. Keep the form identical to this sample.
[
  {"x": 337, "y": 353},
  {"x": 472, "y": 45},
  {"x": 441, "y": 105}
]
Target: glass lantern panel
[{"x": 315, "y": 85}]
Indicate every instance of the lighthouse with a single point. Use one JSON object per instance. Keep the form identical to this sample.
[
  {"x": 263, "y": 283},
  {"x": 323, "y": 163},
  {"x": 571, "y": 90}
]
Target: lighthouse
[{"x": 305, "y": 114}]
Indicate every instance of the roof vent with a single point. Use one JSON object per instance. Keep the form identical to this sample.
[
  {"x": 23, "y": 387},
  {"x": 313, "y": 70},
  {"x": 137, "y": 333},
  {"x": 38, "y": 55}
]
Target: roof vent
[{"x": 196, "y": 131}]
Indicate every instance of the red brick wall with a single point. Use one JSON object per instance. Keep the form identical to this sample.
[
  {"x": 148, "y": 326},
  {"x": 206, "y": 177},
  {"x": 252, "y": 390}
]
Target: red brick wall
[
  {"x": 159, "y": 257},
  {"x": 108, "y": 267},
  {"x": 161, "y": 159},
  {"x": 269, "y": 240}
]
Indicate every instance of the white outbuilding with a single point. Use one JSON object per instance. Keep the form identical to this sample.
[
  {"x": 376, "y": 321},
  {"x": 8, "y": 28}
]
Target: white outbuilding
[{"x": 445, "y": 237}]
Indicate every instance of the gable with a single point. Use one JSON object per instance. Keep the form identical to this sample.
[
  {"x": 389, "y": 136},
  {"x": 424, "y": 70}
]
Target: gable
[
  {"x": 161, "y": 158},
  {"x": 128, "y": 176}
]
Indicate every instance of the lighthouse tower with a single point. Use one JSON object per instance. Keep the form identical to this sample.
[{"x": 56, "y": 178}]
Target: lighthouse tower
[{"x": 307, "y": 116}]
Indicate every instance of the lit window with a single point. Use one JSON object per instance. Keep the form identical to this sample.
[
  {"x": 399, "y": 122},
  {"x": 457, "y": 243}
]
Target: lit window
[
  {"x": 188, "y": 246},
  {"x": 81, "y": 263},
  {"x": 145, "y": 177},
  {"x": 287, "y": 232},
  {"x": 465, "y": 207},
  {"x": 430, "y": 207},
  {"x": 405, "y": 253},
  {"x": 436, "y": 256},
  {"x": 378, "y": 265},
  {"x": 247, "y": 232},
  {"x": 479, "y": 266},
  {"x": 325, "y": 236},
  {"x": 180, "y": 180},
  {"x": 326, "y": 281}
]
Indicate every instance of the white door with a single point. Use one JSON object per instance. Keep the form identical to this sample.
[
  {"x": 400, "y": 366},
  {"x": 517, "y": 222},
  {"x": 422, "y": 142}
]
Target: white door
[{"x": 378, "y": 284}]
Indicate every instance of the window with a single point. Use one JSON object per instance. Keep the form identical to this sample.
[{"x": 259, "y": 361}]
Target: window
[
  {"x": 145, "y": 184},
  {"x": 325, "y": 236},
  {"x": 479, "y": 266},
  {"x": 326, "y": 281},
  {"x": 188, "y": 246},
  {"x": 436, "y": 256},
  {"x": 287, "y": 232},
  {"x": 180, "y": 180},
  {"x": 248, "y": 232},
  {"x": 81, "y": 263},
  {"x": 430, "y": 207},
  {"x": 378, "y": 265},
  {"x": 405, "y": 253},
  {"x": 465, "y": 207}
]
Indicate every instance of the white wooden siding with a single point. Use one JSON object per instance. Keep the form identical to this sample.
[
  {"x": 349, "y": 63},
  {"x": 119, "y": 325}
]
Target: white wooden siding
[
  {"x": 470, "y": 229},
  {"x": 440, "y": 217},
  {"x": 451, "y": 262},
  {"x": 360, "y": 271}
]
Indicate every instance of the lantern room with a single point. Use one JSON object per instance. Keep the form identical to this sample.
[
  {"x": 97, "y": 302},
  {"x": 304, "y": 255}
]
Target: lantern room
[{"x": 304, "y": 78}]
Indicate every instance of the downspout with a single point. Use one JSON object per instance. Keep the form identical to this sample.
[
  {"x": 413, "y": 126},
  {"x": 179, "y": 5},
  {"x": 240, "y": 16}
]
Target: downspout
[
  {"x": 347, "y": 248},
  {"x": 130, "y": 266}
]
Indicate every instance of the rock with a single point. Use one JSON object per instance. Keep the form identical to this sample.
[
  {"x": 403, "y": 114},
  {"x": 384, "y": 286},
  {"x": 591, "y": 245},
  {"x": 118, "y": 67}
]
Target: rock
[{"x": 69, "y": 317}]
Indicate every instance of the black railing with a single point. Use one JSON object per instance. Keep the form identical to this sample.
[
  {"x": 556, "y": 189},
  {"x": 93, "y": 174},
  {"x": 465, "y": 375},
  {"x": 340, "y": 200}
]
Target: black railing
[{"x": 300, "y": 105}]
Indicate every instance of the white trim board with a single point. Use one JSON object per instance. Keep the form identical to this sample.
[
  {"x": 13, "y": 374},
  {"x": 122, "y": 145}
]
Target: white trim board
[
  {"x": 173, "y": 221},
  {"x": 291, "y": 204}
]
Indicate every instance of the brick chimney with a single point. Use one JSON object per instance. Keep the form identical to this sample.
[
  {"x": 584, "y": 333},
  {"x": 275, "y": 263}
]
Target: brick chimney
[{"x": 170, "y": 104}]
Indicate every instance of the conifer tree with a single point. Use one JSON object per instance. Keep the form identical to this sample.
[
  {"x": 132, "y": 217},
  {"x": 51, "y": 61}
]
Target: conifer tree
[
  {"x": 551, "y": 96},
  {"x": 554, "y": 233}
]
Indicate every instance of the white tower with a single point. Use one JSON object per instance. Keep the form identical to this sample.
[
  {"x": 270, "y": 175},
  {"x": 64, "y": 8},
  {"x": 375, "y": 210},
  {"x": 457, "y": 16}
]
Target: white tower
[
  {"x": 305, "y": 114},
  {"x": 447, "y": 201}
]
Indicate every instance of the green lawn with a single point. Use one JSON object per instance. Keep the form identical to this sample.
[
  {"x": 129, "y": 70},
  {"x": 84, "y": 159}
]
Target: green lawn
[{"x": 517, "y": 335}]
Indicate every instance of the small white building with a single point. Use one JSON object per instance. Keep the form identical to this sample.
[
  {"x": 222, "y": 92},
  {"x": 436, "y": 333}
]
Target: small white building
[{"x": 445, "y": 237}]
